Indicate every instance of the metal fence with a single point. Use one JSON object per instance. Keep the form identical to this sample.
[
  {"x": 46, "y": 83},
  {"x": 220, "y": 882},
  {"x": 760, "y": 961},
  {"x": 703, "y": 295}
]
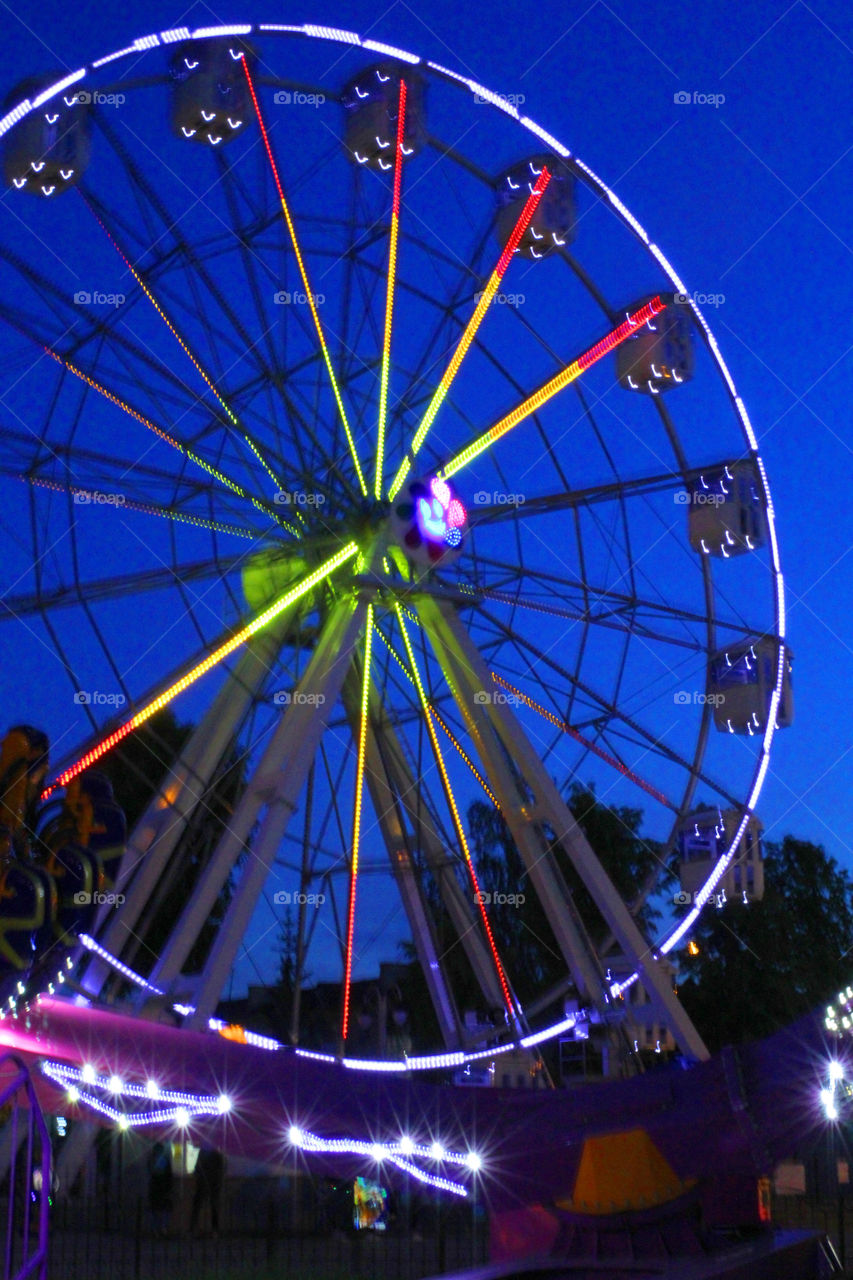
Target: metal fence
[
  {"x": 25, "y": 1159},
  {"x": 833, "y": 1218},
  {"x": 98, "y": 1241}
]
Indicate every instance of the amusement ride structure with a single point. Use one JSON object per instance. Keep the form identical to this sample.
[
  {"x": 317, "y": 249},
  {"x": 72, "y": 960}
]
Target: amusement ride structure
[{"x": 351, "y": 414}]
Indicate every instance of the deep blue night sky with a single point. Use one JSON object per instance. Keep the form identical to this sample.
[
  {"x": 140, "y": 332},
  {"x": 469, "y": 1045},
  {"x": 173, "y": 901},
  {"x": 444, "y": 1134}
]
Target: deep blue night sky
[{"x": 749, "y": 198}]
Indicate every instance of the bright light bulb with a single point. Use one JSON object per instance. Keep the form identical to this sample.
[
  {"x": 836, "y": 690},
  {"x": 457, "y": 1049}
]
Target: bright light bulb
[
  {"x": 115, "y": 1085},
  {"x": 123, "y": 1122},
  {"x": 182, "y": 1117},
  {"x": 407, "y": 1147},
  {"x": 223, "y": 1103},
  {"x": 826, "y": 1097},
  {"x": 73, "y": 1094},
  {"x": 831, "y": 1111},
  {"x": 295, "y": 1135},
  {"x": 437, "y": 1151},
  {"x": 377, "y": 1151},
  {"x": 836, "y": 1071},
  {"x": 152, "y": 1088},
  {"x": 473, "y": 1161}
]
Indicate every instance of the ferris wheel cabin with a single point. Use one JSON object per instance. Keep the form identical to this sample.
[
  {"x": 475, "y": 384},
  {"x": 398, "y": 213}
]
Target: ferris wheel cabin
[
  {"x": 49, "y": 150},
  {"x": 660, "y": 354},
  {"x": 371, "y": 103},
  {"x": 725, "y": 511},
  {"x": 211, "y": 102},
  {"x": 741, "y": 680},
  {"x": 553, "y": 223},
  {"x": 703, "y": 838}
]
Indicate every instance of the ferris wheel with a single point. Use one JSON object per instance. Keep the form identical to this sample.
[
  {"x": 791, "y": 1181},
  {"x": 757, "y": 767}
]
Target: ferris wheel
[{"x": 348, "y": 411}]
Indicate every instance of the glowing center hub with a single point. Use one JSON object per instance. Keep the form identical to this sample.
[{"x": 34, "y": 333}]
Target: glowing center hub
[{"x": 429, "y": 521}]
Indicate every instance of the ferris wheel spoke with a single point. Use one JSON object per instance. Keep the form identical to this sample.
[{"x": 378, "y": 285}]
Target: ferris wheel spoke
[
  {"x": 111, "y": 588},
  {"x": 305, "y": 280},
  {"x": 182, "y": 343},
  {"x": 622, "y": 619},
  {"x": 470, "y": 331},
  {"x": 566, "y": 728},
  {"x": 119, "y": 502},
  {"x": 549, "y": 389},
  {"x": 613, "y": 713},
  {"x": 512, "y": 1010},
  {"x": 201, "y": 668},
  {"x": 171, "y": 440},
  {"x": 636, "y": 487},
  {"x": 623, "y": 603},
  {"x": 389, "y": 296},
  {"x": 167, "y": 226},
  {"x": 439, "y": 719},
  {"x": 355, "y": 848}
]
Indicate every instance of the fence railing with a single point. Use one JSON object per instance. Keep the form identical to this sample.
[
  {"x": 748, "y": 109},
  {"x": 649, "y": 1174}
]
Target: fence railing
[
  {"x": 25, "y": 1174},
  {"x": 120, "y": 1242}
]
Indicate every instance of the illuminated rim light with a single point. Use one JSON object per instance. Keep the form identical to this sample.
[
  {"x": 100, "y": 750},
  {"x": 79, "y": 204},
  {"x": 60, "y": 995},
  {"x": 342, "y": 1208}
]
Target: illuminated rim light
[
  {"x": 21, "y": 109},
  {"x": 401, "y": 1153},
  {"x": 422, "y": 1062},
  {"x": 176, "y": 1107}
]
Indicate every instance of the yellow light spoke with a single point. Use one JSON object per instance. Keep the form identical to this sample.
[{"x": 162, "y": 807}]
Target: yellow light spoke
[
  {"x": 118, "y": 502},
  {"x": 204, "y": 375},
  {"x": 168, "y": 439},
  {"x": 389, "y": 292},
  {"x": 454, "y": 812},
  {"x": 535, "y": 401},
  {"x": 305, "y": 282},
  {"x": 439, "y": 719},
  {"x": 201, "y": 668},
  {"x": 470, "y": 331},
  {"x": 356, "y": 816}
]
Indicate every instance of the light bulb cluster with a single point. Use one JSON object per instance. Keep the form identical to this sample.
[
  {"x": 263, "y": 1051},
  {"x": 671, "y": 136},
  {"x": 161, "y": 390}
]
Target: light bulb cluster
[
  {"x": 20, "y": 999},
  {"x": 835, "y": 1091},
  {"x": 402, "y": 1153},
  {"x": 838, "y": 1020},
  {"x": 84, "y": 1086}
]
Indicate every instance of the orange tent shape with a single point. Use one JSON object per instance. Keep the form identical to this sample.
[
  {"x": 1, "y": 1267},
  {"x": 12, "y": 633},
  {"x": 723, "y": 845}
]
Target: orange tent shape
[{"x": 620, "y": 1172}]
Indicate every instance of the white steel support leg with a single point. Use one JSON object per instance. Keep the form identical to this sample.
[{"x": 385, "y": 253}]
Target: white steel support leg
[
  {"x": 542, "y": 870},
  {"x": 158, "y": 831},
  {"x": 457, "y": 903},
  {"x": 276, "y": 786},
  {"x": 390, "y": 818},
  {"x": 448, "y": 634}
]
